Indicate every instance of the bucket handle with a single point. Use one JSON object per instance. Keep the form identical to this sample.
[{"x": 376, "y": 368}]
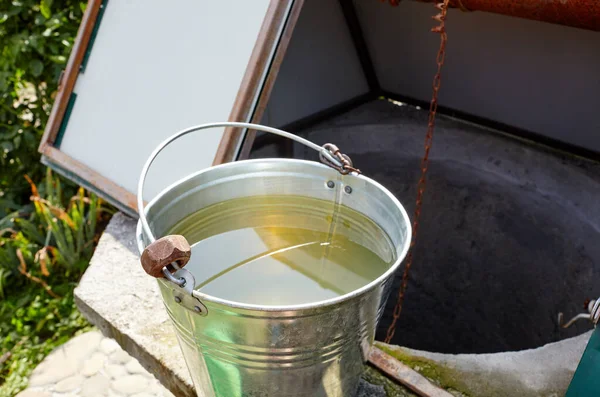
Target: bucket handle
[{"x": 329, "y": 154}]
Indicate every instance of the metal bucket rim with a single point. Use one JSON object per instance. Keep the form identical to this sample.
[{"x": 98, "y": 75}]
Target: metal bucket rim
[{"x": 282, "y": 308}]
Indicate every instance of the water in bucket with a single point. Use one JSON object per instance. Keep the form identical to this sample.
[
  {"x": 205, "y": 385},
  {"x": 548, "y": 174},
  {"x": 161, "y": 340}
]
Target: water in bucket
[{"x": 283, "y": 250}]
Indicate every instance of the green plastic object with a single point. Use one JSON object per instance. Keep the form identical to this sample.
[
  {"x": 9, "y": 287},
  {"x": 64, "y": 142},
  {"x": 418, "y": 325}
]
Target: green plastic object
[{"x": 586, "y": 381}]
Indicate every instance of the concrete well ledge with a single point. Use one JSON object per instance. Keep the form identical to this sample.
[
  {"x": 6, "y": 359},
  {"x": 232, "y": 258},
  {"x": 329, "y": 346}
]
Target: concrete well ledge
[
  {"x": 124, "y": 303},
  {"x": 544, "y": 372}
]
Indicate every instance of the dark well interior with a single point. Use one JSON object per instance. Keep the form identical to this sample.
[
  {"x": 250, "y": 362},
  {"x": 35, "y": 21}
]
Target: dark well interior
[{"x": 509, "y": 231}]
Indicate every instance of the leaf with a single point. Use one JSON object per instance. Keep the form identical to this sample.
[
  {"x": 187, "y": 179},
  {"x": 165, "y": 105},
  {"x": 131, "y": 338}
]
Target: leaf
[
  {"x": 31, "y": 231},
  {"x": 34, "y": 190},
  {"x": 22, "y": 264},
  {"x": 7, "y": 146},
  {"x": 38, "y": 44},
  {"x": 39, "y": 20},
  {"x": 82, "y": 5},
  {"x": 49, "y": 185},
  {"x": 36, "y": 67},
  {"x": 58, "y": 189},
  {"x": 60, "y": 59},
  {"x": 45, "y": 8},
  {"x": 42, "y": 257},
  {"x": 4, "y": 80},
  {"x": 4, "y": 274}
]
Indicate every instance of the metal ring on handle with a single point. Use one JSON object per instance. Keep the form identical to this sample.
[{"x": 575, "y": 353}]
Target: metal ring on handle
[
  {"x": 595, "y": 313},
  {"x": 140, "y": 201}
]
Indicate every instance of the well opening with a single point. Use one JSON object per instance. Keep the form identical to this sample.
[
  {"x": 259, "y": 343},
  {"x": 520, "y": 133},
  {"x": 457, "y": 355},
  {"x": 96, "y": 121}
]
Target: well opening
[{"x": 508, "y": 234}]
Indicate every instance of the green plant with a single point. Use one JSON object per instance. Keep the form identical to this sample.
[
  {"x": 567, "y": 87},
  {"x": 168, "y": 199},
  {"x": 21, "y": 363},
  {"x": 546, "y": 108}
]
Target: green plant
[
  {"x": 43, "y": 253},
  {"x": 56, "y": 234},
  {"x": 35, "y": 40},
  {"x": 45, "y": 240},
  {"x": 73, "y": 230}
]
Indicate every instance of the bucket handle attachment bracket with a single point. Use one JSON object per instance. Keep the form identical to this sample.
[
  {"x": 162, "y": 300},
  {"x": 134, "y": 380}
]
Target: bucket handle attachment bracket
[
  {"x": 593, "y": 314},
  {"x": 167, "y": 256},
  {"x": 329, "y": 153}
]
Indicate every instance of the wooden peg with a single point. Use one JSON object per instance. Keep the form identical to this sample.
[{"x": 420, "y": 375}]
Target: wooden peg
[{"x": 163, "y": 252}]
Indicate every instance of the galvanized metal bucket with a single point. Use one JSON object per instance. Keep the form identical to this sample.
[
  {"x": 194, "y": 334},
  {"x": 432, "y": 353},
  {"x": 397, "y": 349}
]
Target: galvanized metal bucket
[{"x": 236, "y": 349}]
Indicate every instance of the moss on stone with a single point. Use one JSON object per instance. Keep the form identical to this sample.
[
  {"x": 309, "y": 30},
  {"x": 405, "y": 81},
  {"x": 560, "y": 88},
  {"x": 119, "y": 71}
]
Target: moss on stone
[
  {"x": 392, "y": 389},
  {"x": 441, "y": 376}
]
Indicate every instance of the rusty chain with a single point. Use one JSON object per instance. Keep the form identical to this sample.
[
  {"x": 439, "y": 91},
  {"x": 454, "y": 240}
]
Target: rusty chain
[{"x": 441, "y": 18}]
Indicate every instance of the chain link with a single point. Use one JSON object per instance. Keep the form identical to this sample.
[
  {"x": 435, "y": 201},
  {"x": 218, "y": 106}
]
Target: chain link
[{"x": 441, "y": 18}]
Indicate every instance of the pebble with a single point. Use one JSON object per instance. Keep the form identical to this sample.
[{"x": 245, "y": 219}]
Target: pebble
[
  {"x": 95, "y": 386},
  {"x": 120, "y": 357},
  {"x": 134, "y": 367},
  {"x": 130, "y": 384},
  {"x": 60, "y": 366},
  {"x": 107, "y": 346},
  {"x": 91, "y": 365},
  {"x": 115, "y": 370},
  {"x": 69, "y": 384},
  {"x": 33, "y": 393},
  {"x": 86, "y": 344}
]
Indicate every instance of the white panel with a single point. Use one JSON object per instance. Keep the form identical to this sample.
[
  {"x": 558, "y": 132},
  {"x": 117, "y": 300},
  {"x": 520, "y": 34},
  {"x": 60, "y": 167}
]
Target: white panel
[
  {"x": 533, "y": 75},
  {"x": 320, "y": 69},
  {"x": 158, "y": 67}
]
